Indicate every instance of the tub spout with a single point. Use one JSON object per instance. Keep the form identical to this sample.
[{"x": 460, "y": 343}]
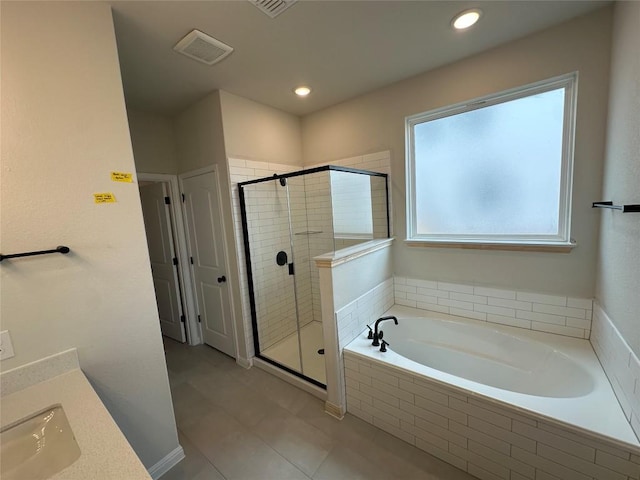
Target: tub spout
[{"x": 377, "y": 335}]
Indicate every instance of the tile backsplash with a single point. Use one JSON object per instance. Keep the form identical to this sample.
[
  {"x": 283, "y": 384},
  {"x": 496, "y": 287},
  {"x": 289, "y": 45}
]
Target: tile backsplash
[
  {"x": 557, "y": 314},
  {"x": 620, "y": 364}
]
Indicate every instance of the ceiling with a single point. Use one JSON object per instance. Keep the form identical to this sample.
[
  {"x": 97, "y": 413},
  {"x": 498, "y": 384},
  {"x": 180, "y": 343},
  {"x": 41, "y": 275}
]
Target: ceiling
[{"x": 340, "y": 48}]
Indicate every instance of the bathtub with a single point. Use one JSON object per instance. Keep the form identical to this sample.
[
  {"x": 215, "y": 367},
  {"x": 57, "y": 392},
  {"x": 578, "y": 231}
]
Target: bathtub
[{"x": 457, "y": 368}]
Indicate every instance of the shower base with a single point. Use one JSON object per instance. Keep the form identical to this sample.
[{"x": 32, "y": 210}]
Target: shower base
[{"x": 285, "y": 352}]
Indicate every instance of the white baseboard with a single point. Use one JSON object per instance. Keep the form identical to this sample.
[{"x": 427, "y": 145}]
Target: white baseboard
[
  {"x": 244, "y": 362},
  {"x": 335, "y": 411},
  {"x": 167, "y": 463}
]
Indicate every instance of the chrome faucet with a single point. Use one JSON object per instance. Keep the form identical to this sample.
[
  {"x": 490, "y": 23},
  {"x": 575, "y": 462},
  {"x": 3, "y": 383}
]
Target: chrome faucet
[{"x": 377, "y": 334}]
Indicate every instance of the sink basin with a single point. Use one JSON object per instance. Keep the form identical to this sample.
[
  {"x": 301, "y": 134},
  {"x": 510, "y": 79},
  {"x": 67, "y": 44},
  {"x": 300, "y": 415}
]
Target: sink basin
[{"x": 38, "y": 446}]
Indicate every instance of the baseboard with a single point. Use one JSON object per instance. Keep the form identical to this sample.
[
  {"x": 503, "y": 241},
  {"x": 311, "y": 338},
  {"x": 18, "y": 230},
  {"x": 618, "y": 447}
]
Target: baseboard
[
  {"x": 167, "y": 463},
  {"x": 334, "y": 410},
  {"x": 244, "y": 362}
]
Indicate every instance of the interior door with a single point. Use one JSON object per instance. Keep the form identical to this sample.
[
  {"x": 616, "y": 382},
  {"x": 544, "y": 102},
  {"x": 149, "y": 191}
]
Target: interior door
[
  {"x": 206, "y": 241},
  {"x": 157, "y": 222}
]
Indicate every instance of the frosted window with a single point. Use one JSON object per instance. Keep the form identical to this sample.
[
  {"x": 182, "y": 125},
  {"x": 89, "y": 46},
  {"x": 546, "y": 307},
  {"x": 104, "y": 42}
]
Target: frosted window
[{"x": 497, "y": 172}]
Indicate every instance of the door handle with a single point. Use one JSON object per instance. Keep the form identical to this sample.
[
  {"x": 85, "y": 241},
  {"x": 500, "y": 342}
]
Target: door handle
[{"x": 222, "y": 279}]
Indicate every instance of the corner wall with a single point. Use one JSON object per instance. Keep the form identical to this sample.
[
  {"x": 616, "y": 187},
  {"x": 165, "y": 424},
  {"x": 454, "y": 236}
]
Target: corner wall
[
  {"x": 153, "y": 142},
  {"x": 375, "y": 122},
  {"x": 64, "y": 129},
  {"x": 618, "y": 281}
]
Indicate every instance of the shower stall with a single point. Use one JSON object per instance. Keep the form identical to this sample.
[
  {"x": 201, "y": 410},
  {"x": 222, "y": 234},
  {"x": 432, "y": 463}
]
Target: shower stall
[{"x": 288, "y": 220}]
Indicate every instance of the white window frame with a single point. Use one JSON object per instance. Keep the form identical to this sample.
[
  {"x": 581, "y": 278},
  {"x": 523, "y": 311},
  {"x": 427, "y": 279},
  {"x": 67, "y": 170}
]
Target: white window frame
[{"x": 570, "y": 83}]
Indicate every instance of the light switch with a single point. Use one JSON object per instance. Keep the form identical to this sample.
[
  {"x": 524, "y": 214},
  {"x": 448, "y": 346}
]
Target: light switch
[{"x": 6, "y": 347}]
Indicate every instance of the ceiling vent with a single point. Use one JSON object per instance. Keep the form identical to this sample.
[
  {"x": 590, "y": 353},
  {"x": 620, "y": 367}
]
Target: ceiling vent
[
  {"x": 202, "y": 47},
  {"x": 273, "y": 8}
]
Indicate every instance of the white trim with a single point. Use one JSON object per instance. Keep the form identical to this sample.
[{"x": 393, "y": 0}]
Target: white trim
[
  {"x": 229, "y": 271},
  {"x": 192, "y": 331},
  {"x": 167, "y": 463},
  {"x": 568, "y": 82}
]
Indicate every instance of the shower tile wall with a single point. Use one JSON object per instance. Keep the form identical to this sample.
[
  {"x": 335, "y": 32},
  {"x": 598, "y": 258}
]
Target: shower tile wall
[
  {"x": 241, "y": 170},
  {"x": 268, "y": 220}
]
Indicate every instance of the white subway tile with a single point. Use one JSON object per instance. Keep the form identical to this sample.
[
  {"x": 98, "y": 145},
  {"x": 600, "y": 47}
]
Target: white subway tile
[
  {"x": 501, "y": 434},
  {"x": 578, "y": 323},
  {"x": 468, "y": 314},
  {"x": 433, "y": 292},
  {"x": 481, "y": 413},
  {"x": 558, "y": 329},
  {"x": 454, "y": 287},
  {"x": 405, "y": 302},
  {"x": 515, "y": 304},
  {"x": 505, "y": 312},
  {"x": 547, "y": 466},
  {"x": 541, "y": 317},
  {"x": 405, "y": 288},
  {"x": 465, "y": 297},
  {"x": 422, "y": 283},
  {"x": 575, "y": 463},
  {"x": 513, "y": 322},
  {"x": 540, "y": 298},
  {"x": 495, "y": 292},
  {"x": 618, "y": 464},
  {"x": 395, "y": 431},
  {"x": 454, "y": 303},
  {"x": 381, "y": 414},
  {"x": 448, "y": 435},
  {"x": 491, "y": 442},
  {"x": 480, "y": 461},
  {"x": 424, "y": 435},
  {"x": 394, "y": 391},
  {"x": 423, "y": 392},
  {"x": 562, "y": 443},
  {"x": 502, "y": 459},
  {"x": 428, "y": 415},
  {"x": 563, "y": 311},
  {"x": 456, "y": 415}
]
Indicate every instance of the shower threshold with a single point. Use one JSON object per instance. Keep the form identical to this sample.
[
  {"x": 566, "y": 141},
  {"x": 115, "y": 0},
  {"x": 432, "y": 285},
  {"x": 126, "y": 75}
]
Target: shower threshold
[{"x": 285, "y": 352}]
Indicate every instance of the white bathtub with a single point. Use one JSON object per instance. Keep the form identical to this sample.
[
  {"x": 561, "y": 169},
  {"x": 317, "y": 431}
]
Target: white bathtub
[{"x": 551, "y": 377}]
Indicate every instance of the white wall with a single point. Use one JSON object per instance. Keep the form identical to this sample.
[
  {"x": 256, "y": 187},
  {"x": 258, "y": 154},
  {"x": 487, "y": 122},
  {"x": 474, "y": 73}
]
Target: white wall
[
  {"x": 64, "y": 129},
  {"x": 619, "y": 254},
  {"x": 255, "y": 131},
  {"x": 152, "y": 137},
  {"x": 375, "y": 122},
  {"x": 200, "y": 143}
]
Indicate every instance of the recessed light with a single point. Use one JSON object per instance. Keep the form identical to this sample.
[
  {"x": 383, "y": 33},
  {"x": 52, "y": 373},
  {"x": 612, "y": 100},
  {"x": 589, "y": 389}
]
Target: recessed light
[
  {"x": 466, "y": 19},
  {"x": 302, "y": 91}
]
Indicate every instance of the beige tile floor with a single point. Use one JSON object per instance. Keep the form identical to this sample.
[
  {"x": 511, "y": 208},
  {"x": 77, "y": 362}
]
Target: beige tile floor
[{"x": 243, "y": 424}]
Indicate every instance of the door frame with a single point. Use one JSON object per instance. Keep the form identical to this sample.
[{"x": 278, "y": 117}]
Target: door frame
[
  {"x": 193, "y": 333},
  {"x": 231, "y": 272}
]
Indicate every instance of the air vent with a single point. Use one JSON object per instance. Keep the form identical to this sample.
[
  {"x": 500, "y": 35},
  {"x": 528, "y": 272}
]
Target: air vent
[
  {"x": 203, "y": 48},
  {"x": 273, "y": 8}
]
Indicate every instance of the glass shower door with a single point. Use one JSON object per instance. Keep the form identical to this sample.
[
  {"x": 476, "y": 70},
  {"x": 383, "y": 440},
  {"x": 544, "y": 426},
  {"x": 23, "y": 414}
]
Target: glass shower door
[{"x": 272, "y": 269}]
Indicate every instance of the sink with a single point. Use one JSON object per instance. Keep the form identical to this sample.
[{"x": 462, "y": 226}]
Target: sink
[{"x": 37, "y": 447}]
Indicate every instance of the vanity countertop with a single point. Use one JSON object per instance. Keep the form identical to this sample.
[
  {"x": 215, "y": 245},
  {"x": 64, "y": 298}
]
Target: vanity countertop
[{"x": 105, "y": 453}]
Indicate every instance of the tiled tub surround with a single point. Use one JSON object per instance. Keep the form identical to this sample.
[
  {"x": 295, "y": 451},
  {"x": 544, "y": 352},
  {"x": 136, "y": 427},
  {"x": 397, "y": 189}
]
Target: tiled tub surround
[
  {"x": 557, "y": 314},
  {"x": 489, "y": 432},
  {"x": 620, "y": 364}
]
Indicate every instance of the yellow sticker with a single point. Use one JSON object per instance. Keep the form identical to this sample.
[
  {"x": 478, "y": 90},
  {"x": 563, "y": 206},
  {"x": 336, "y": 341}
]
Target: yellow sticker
[
  {"x": 106, "y": 197},
  {"x": 122, "y": 177}
]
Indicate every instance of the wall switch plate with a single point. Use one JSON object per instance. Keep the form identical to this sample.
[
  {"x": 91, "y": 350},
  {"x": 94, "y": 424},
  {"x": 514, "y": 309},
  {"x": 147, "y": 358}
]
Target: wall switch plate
[{"x": 6, "y": 347}]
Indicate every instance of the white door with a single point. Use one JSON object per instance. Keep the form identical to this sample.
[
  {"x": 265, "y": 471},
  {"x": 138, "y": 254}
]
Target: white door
[
  {"x": 158, "y": 225},
  {"x": 207, "y": 249}
]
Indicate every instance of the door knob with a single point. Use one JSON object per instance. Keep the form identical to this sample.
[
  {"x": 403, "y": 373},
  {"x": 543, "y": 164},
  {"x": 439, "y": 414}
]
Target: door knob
[{"x": 222, "y": 279}]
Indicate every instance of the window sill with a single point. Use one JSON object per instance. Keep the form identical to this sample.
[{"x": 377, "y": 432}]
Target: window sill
[{"x": 513, "y": 247}]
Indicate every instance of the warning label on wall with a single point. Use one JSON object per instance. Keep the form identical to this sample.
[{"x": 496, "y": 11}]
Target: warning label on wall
[
  {"x": 106, "y": 197},
  {"x": 122, "y": 177}
]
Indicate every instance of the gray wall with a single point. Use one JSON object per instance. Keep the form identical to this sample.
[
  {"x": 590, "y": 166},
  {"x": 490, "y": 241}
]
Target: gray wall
[
  {"x": 154, "y": 146},
  {"x": 60, "y": 141},
  {"x": 618, "y": 288},
  {"x": 257, "y": 132},
  {"x": 375, "y": 122}
]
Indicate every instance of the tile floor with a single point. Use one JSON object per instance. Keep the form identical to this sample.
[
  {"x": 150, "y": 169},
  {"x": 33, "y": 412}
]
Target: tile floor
[{"x": 243, "y": 424}]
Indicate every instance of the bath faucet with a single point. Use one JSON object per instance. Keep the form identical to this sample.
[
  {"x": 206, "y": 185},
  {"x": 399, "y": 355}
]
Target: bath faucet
[{"x": 377, "y": 335}]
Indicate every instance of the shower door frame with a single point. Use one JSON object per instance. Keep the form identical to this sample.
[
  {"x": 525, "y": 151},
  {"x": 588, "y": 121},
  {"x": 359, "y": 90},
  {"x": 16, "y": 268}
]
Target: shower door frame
[{"x": 247, "y": 250}]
